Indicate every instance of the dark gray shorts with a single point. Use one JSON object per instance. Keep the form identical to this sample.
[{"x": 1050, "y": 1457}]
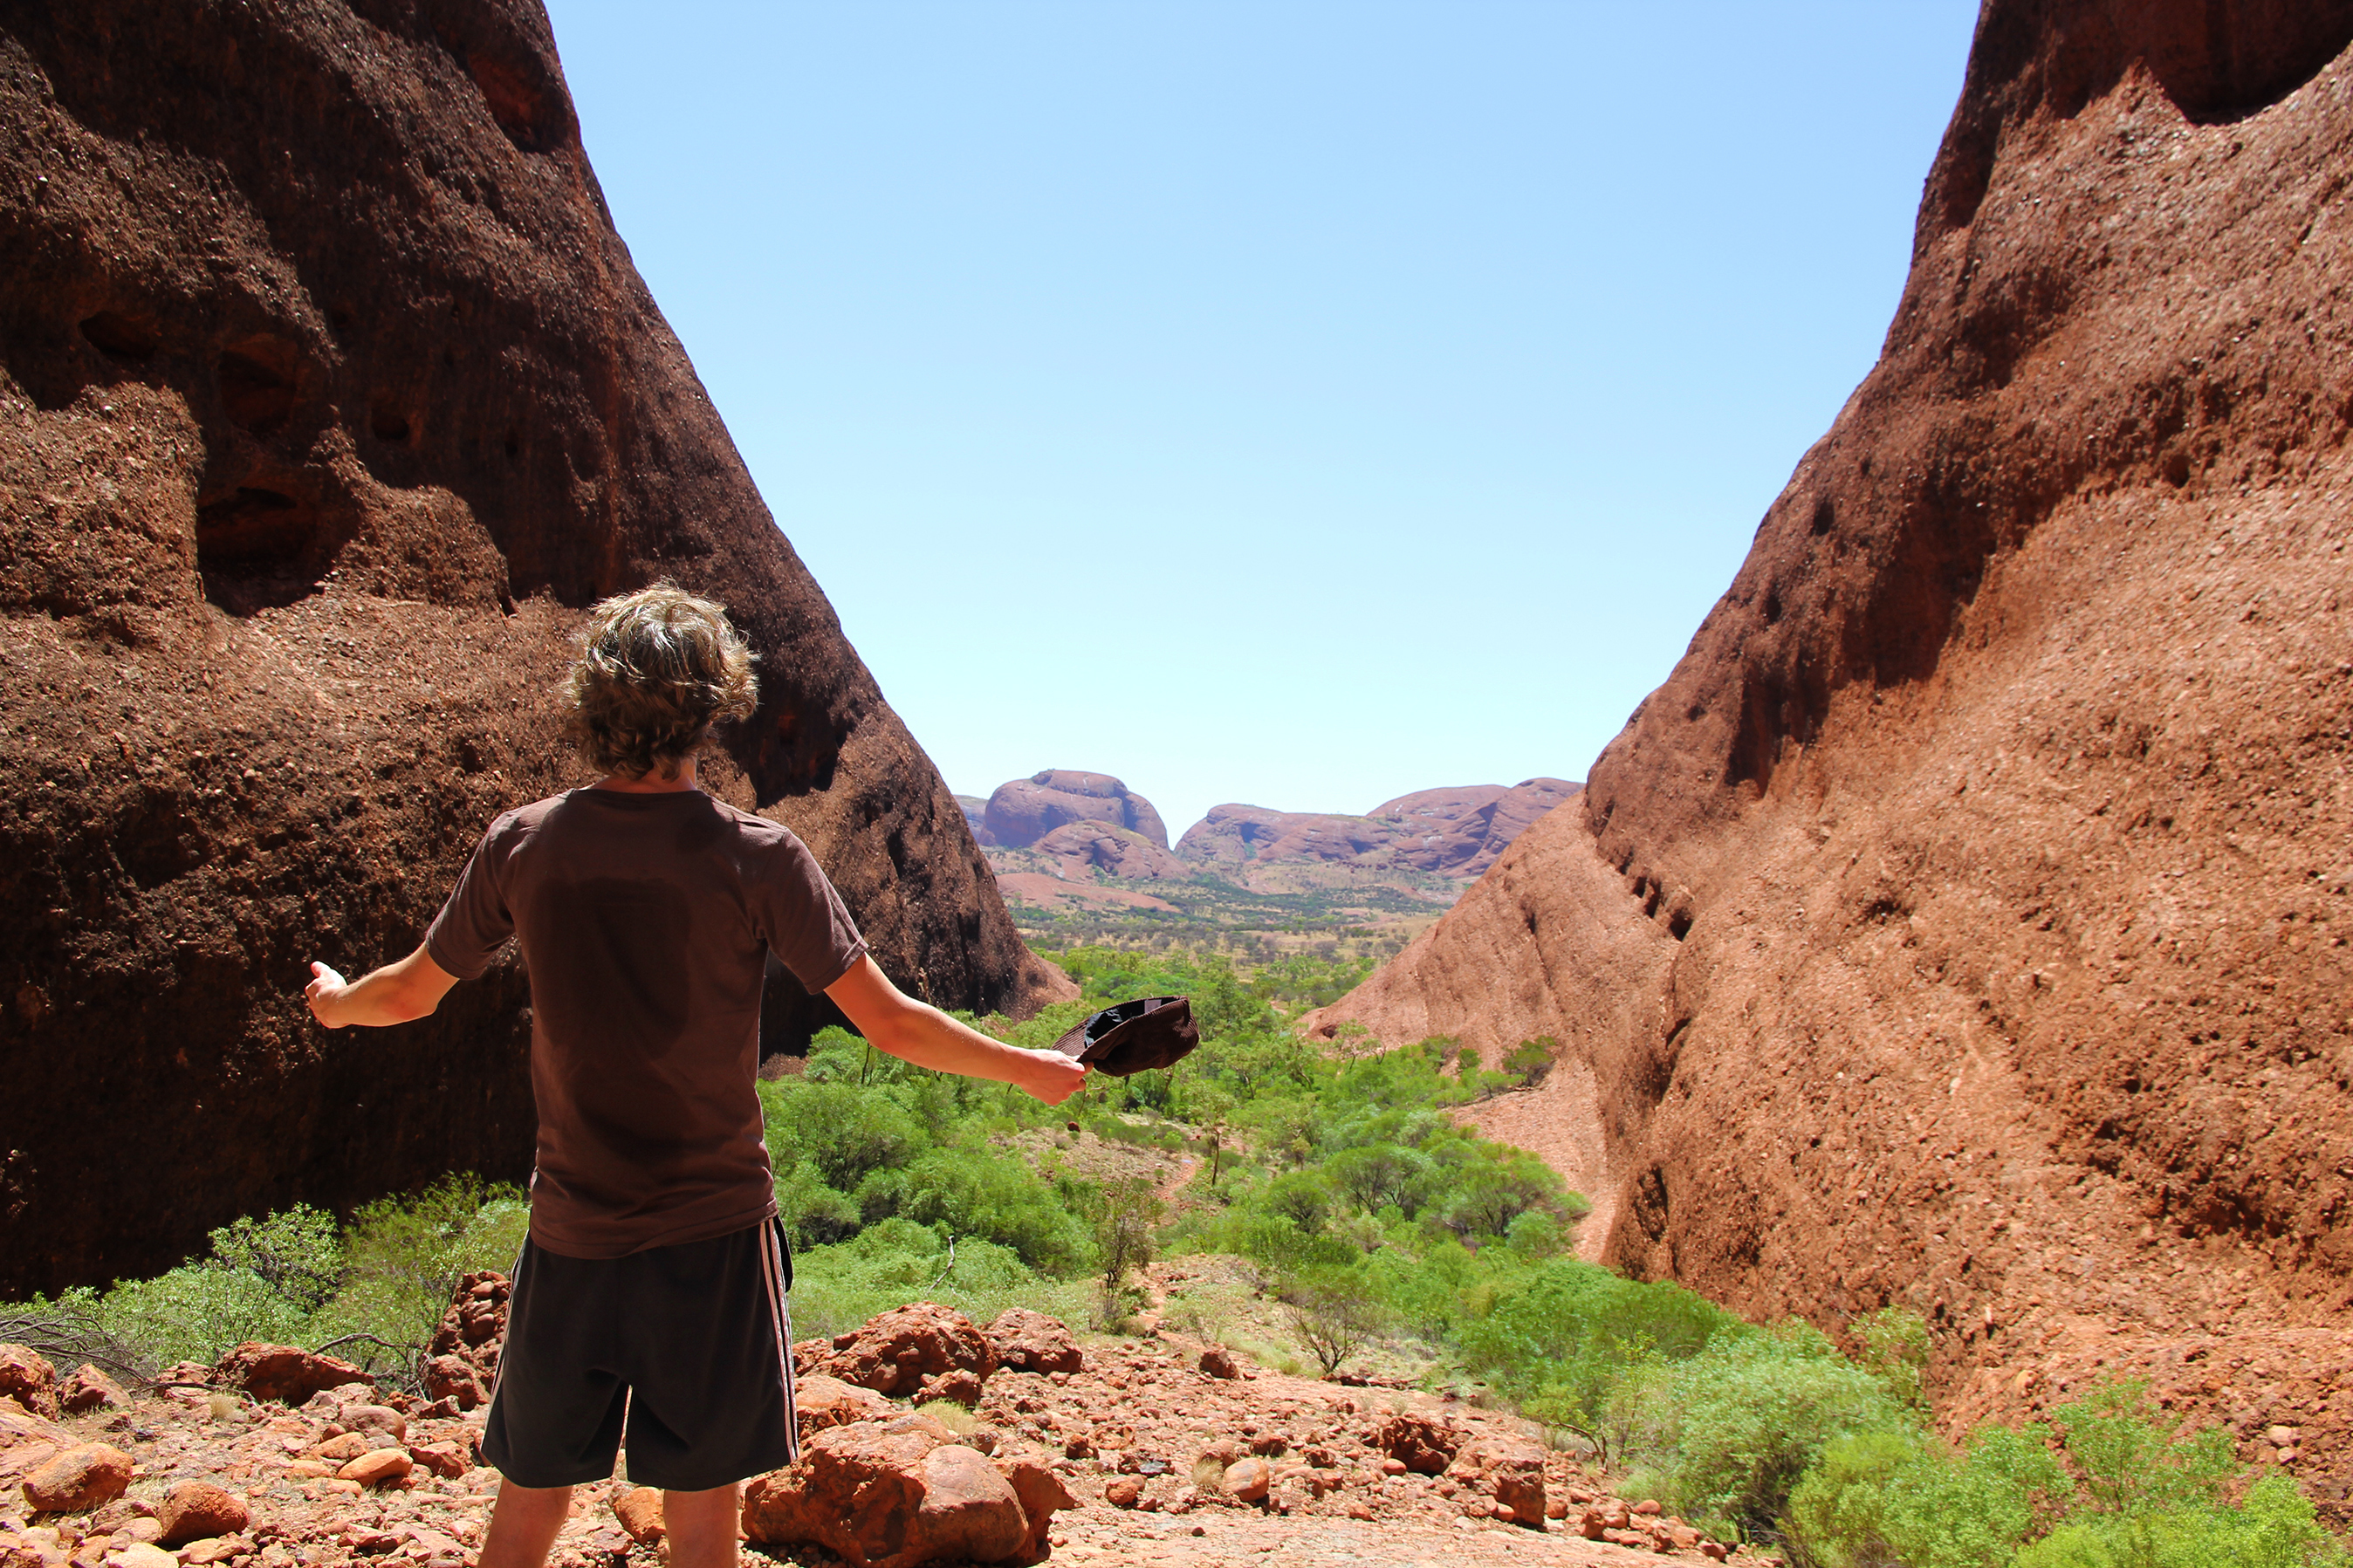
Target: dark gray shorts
[{"x": 683, "y": 1353}]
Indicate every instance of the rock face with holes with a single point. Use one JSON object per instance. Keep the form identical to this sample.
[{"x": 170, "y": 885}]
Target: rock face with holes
[
  {"x": 328, "y": 398},
  {"x": 1964, "y": 924}
]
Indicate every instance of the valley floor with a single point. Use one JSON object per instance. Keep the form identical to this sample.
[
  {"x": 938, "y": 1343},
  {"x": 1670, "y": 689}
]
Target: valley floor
[{"x": 1332, "y": 1503}]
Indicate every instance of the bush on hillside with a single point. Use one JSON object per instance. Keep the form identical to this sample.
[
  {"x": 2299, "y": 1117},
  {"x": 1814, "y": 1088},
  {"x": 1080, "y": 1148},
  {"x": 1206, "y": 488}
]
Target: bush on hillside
[{"x": 1738, "y": 1425}]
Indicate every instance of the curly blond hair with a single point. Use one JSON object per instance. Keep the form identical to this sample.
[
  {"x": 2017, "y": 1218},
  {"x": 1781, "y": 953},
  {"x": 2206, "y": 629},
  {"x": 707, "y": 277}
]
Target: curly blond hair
[{"x": 657, "y": 670}]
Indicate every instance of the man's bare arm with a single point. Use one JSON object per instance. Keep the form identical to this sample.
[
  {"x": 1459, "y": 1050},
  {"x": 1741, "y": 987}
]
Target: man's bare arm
[
  {"x": 401, "y": 991},
  {"x": 919, "y": 1033}
]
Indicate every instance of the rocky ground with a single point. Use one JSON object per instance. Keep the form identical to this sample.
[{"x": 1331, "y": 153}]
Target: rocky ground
[{"x": 1147, "y": 1449}]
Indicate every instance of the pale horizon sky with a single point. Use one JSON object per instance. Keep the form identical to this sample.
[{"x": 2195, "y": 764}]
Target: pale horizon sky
[{"x": 1294, "y": 403}]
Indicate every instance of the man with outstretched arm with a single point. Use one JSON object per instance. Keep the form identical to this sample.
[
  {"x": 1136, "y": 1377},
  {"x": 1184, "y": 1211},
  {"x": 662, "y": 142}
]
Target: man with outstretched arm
[{"x": 649, "y": 1303}]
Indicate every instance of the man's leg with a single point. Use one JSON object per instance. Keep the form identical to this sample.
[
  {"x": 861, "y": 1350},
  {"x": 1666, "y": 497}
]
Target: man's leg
[
  {"x": 701, "y": 1527},
  {"x": 524, "y": 1524}
]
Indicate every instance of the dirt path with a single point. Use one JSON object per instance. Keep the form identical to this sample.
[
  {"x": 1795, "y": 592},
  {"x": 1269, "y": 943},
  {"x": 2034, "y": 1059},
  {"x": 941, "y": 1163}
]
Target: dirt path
[{"x": 1109, "y": 1538}]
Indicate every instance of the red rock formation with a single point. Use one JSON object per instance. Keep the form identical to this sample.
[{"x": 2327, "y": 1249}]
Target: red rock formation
[
  {"x": 1022, "y": 811},
  {"x": 1462, "y": 830},
  {"x": 1963, "y": 923},
  {"x": 1455, "y": 831},
  {"x": 328, "y": 396},
  {"x": 1083, "y": 849}
]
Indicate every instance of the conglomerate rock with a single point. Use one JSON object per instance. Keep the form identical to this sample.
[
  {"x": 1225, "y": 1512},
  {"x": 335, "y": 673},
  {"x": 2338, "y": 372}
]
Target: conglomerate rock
[
  {"x": 1964, "y": 924},
  {"x": 328, "y": 398}
]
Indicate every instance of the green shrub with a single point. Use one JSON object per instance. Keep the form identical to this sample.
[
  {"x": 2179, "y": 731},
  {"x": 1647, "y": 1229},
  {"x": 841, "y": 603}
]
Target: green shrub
[
  {"x": 896, "y": 1261},
  {"x": 264, "y": 1279},
  {"x": 843, "y": 1131},
  {"x": 1740, "y": 1423},
  {"x": 1498, "y": 1185},
  {"x": 403, "y": 1257},
  {"x": 977, "y": 1190},
  {"x": 2274, "y": 1526},
  {"x": 1898, "y": 1496},
  {"x": 1333, "y": 1313}
]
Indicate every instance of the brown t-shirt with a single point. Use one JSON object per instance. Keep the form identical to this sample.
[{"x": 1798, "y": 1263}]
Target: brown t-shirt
[{"x": 646, "y": 922}]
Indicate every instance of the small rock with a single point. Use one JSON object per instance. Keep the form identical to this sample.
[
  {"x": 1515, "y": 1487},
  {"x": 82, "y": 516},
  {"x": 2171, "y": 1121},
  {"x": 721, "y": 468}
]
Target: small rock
[
  {"x": 451, "y": 1379},
  {"x": 140, "y": 1554},
  {"x": 1219, "y": 1362},
  {"x": 2280, "y": 1436},
  {"x": 1247, "y": 1481},
  {"x": 78, "y": 1479},
  {"x": 381, "y": 1467},
  {"x": 196, "y": 1509},
  {"x": 1025, "y": 1341},
  {"x": 89, "y": 1389},
  {"x": 1123, "y": 1492},
  {"x": 957, "y": 1387},
  {"x": 1648, "y": 1505},
  {"x": 27, "y": 1377},
  {"x": 343, "y": 1446},
  {"x": 442, "y": 1458},
  {"x": 1424, "y": 1444},
  {"x": 640, "y": 1510},
  {"x": 1041, "y": 1494},
  {"x": 283, "y": 1373},
  {"x": 375, "y": 1418}
]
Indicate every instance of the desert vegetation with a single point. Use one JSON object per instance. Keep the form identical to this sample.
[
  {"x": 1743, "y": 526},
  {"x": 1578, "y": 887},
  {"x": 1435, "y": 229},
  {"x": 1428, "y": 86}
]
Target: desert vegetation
[{"x": 1363, "y": 1222}]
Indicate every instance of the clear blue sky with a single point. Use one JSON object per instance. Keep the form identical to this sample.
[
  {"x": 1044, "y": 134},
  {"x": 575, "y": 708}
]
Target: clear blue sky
[{"x": 1291, "y": 402}]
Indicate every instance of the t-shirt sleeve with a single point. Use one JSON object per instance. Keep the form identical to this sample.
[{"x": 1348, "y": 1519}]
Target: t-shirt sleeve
[
  {"x": 476, "y": 923},
  {"x": 801, "y": 918}
]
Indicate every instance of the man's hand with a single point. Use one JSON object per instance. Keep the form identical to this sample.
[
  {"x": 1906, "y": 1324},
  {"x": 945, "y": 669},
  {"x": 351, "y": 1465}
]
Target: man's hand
[
  {"x": 1057, "y": 1076},
  {"x": 397, "y": 992},
  {"x": 325, "y": 994},
  {"x": 916, "y": 1032}
]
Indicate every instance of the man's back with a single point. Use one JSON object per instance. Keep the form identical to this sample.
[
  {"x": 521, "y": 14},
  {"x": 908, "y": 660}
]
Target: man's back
[{"x": 644, "y": 920}]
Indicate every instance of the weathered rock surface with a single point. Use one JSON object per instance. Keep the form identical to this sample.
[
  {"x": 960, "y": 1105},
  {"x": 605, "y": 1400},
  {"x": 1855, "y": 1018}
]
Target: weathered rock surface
[
  {"x": 1455, "y": 831},
  {"x": 283, "y": 1373},
  {"x": 1022, "y": 811},
  {"x": 1510, "y": 1471},
  {"x": 890, "y": 1494},
  {"x": 1421, "y": 1443},
  {"x": 820, "y": 1402},
  {"x": 463, "y": 1354},
  {"x": 328, "y": 396},
  {"x": 901, "y": 1351},
  {"x": 1964, "y": 924},
  {"x": 81, "y": 1477},
  {"x": 196, "y": 1510},
  {"x": 91, "y": 1389},
  {"x": 1027, "y": 1341},
  {"x": 27, "y": 1377}
]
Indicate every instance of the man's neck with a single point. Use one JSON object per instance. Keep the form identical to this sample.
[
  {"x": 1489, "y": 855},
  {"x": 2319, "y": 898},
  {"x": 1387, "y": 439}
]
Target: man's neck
[{"x": 652, "y": 783}]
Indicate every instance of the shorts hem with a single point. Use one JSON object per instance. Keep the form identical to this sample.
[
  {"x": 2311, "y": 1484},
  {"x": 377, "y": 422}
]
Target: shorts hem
[{"x": 662, "y": 1481}]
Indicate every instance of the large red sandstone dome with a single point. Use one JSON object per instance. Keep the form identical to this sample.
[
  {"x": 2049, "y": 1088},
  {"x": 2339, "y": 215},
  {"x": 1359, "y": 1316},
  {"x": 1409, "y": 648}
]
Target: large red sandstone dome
[
  {"x": 1965, "y": 923},
  {"x": 328, "y": 396}
]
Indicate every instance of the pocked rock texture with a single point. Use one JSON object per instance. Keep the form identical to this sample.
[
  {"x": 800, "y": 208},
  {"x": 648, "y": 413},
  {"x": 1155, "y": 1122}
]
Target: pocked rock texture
[
  {"x": 1963, "y": 923},
  {"x": 328, "y": 397}
]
